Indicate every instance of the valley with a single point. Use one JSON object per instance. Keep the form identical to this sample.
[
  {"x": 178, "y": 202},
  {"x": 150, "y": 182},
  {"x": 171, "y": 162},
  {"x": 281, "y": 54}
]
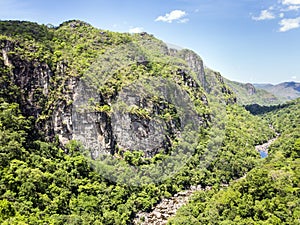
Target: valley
[
  {"x": 168, "y": 207},
  {"x": 101, "y": 127}
]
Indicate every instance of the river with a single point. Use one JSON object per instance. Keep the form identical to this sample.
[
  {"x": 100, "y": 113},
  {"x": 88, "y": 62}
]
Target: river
[{"x": 168, "y": 206}]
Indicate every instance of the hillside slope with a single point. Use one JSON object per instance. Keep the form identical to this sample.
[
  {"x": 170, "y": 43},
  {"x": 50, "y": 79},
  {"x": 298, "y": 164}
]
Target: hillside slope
[
  {"x": 248, "y": 94},
  {"x": 97, "y": 125},
  {"x": 284, "y": 91},
  {"x": 269, "y": 194}
]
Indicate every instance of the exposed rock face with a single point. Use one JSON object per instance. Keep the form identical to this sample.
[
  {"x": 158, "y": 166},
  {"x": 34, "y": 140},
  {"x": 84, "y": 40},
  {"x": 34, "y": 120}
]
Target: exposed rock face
[
  {"x": 93, "y": 129},
  {"x": 32, "y": 77},
  {"x": 194, "y": 62},
  {"x": 212, "y": 82},
  {"x": 100, "y": 132},
  {"x": 251, "y": 89},
  {"x": 217, "y": 87},
  {"x": 34, "y": 80},
  {"x": 136, "y": 122},
  {"x": 137, "y": 133}
]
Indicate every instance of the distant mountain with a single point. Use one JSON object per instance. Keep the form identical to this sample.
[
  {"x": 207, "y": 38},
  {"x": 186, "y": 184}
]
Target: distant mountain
[
  {"x": 284, "y": 91},
  {"x": 263, "y": 85},
  {"x": 248, "y": 94}
]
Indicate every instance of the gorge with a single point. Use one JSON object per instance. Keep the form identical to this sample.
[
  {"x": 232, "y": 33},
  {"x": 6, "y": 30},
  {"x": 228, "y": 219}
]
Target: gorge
[{"x": 100, "y": 127}]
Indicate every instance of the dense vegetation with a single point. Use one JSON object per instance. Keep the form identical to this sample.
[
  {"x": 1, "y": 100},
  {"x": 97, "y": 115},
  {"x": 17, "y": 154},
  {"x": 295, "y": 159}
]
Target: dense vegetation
[
  {"x": 41, "y": 183},
  {"x": 45, "y": 182},
  {"x": 269, "y": 194}
]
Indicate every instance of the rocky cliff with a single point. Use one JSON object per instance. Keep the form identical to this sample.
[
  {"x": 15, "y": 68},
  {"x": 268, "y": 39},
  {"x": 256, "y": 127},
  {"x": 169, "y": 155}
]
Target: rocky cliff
[{"x": 110, "y": 91}]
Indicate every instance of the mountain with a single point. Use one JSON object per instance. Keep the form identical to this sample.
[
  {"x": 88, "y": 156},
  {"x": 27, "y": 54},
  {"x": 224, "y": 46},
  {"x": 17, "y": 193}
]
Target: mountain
[
  {"x": 97, "y": 126},
  {"x": 284, "y": 91},
  {"x": 75, "y": 79},
  {"x": 263, "y": 85},
  {"x": 248, "y": 94}
]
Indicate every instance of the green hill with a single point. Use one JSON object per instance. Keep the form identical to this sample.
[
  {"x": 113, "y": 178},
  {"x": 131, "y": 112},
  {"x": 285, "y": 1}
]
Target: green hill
[
  {"x": 269, "y": 194},
  {"x": 248, "y": 94}
]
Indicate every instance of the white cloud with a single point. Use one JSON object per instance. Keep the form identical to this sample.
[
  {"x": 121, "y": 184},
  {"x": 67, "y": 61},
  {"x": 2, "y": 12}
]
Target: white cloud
[
  {"x": 294, "y": 77},
  {"x": 271, "y": 7},
  {"x": 289, "y": 24},
  {"x": 293, "y": 7},
  {"x": 136, "y": 30},
  {"x": 175, "y": 15},
  {"x": 291, "y": 2},
  {"x": 184, "y": 20},
  {"x": 264, "y": 15},
  {"x": 286, "y": 12}
]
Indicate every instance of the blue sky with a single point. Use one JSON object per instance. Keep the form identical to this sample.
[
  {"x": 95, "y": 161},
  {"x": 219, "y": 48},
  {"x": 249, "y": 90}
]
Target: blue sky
[{"x": 255, "y": 41}]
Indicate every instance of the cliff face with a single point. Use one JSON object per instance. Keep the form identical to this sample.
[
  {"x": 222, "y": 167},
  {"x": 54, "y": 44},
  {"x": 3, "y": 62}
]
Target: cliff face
[
  {"x": 250, "y": 89},
  {"x": 33, "y": 83},
  {"x": 194, "y": 62},
  {"x": 112, "y": 92}
]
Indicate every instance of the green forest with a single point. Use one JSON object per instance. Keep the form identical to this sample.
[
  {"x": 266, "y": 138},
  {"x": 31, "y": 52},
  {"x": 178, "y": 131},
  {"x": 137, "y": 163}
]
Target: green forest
[
  {"x": 269, "y": 194},
  {"x": 43, "y": 181}
]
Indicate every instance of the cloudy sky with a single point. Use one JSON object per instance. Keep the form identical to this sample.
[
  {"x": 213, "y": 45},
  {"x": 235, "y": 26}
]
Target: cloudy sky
[{"x": 246, "y": 40}]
